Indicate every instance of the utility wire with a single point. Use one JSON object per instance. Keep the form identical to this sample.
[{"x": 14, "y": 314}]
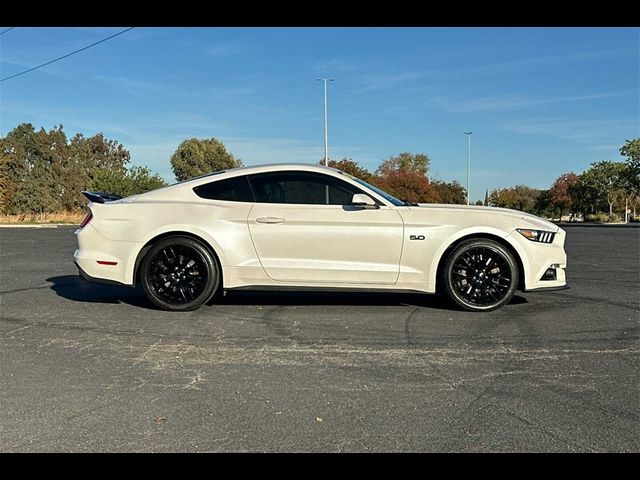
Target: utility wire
[
  {"x": 6, "y": 30},
  {"x": 67, "y": 55}
]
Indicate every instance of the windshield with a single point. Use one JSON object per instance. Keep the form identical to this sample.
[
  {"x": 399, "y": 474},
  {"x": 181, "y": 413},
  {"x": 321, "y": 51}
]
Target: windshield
[{"x": 382, "y": 193}]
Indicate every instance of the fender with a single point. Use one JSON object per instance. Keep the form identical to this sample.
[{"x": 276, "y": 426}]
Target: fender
[
  {"x": 177, "y": 228},
  {"x": 446, "y": 243}
]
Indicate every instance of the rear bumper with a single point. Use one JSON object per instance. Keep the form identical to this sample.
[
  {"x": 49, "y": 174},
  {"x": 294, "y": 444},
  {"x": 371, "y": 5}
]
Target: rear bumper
[
  {"x": 89, "y": 278},
  {"x": 101, "y": 259}
]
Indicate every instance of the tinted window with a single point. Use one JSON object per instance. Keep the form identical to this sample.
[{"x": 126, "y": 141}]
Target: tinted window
[
  {"x": 234, "y": 189},
  {"x": 301, "y": 187}
]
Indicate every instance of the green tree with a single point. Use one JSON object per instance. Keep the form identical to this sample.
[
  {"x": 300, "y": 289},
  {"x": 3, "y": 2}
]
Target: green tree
[
  {"x": 586, "y": 197},
  {"x": 631, "y": 150},
  {"x": 543, "y": 205},
  {"x": 41, "y": 171},
  {"x": 519, "y": 197},
  {"x": 125, "y": 182},
  {"x": 195, "y": 157},
  {"x": 7, "y": 185},
  {"x": 88, "y": 156},
  {"x": 606, "y": 180},
  {"x": 405, "y": 162},
  {"x": 631, "y": 174},
  {"x": 31, "y": 166}
]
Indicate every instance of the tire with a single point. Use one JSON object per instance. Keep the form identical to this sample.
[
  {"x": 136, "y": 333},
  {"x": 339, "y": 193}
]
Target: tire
[
  {"x": 480, "y": 275},
  {"x": 179, "y": 274}
]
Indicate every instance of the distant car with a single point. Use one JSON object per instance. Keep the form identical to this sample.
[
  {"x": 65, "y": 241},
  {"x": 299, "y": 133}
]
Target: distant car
[{"x": 312, "y": 227}]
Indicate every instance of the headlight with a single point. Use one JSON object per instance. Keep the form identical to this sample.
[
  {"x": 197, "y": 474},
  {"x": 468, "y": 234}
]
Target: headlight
[{"x": 537, "y": 235}]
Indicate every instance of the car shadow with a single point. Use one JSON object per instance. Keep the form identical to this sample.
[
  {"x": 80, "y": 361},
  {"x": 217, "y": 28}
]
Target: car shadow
[{"x": 77, "y": 289}]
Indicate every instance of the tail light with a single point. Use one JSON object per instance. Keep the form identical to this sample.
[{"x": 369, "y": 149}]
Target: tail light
[{"x": 86, "y": 219}]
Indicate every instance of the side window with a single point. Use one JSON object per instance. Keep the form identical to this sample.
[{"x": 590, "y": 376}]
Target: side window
[
  {"x": 301, "y": 188},
  {"x": 234, "y": 189}
]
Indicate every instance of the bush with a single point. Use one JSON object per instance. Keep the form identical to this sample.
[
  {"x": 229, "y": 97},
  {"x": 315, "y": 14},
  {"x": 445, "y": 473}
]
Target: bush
[{"x": 601, "y": 217}]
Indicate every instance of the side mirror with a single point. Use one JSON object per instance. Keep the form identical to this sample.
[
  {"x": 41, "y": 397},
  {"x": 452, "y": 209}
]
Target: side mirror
[{"x": 363, "y": 201}]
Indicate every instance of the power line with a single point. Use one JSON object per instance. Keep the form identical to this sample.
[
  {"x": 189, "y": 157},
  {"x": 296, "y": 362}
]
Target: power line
[
  {"x": 6, "y": 30},
  {"x": 67, "y": 55}
]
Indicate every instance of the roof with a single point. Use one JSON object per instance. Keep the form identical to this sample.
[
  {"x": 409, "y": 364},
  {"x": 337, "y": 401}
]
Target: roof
[
  {"x": 282, "y": 166},
  {"x": 265, "y": 167}
]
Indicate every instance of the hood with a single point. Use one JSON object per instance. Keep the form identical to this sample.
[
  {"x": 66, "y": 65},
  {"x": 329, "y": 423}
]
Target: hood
[{"x": 532, "y": 220}]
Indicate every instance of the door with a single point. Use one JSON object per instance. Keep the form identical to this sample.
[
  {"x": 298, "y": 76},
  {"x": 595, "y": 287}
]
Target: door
[{"x": 304, "y": 231}]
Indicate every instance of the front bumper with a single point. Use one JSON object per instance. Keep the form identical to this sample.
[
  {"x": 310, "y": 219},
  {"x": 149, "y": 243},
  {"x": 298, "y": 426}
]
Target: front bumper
[
  {"x": 549, "y": 289},
  {"x": 537, "y": 258}
]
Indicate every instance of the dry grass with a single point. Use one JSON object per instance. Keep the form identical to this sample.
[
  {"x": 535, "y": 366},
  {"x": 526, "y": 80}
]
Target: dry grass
[{"x": 72, "y": 218}]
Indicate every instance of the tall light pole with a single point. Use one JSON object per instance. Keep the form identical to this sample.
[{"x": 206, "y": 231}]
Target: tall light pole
[
  {"x": 468, "y": 134},
  {"x": 326, "y": 134}
]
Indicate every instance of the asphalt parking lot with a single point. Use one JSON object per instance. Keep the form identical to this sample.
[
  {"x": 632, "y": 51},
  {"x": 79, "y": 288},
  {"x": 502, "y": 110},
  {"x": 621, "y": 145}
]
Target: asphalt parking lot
[{"x": 92, "y": 367}]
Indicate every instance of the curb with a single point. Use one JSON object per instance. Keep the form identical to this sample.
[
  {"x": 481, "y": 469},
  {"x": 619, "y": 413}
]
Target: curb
[
  {"x": 36, "y": 225},
  {"x": 598, "y": 225}
]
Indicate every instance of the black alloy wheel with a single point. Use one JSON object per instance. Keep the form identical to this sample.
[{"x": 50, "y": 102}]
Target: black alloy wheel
[
  {"x": 481, "y": 275},
  {"x": 179, "y": 274}
]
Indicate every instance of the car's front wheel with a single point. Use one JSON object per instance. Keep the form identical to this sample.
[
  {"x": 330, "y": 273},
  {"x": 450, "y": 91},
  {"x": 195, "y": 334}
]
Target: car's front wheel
[
  {"x": 480, "y": 275},
  {"x": 179, "y": 274}
]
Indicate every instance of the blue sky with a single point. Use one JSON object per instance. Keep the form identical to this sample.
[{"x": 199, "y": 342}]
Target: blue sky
[{"x": 540, "y": 101}]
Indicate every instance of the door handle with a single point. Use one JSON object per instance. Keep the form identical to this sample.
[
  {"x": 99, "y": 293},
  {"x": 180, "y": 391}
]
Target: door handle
[{"x": 270, "y": 220}]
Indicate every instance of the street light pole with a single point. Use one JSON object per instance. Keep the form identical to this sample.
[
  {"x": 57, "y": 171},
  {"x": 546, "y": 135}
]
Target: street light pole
[
  {"x": 326, "y": 133},
  {"x": 468, "y": 134}
]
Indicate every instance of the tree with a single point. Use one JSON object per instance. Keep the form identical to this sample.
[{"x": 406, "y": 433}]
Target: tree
[
  {"x": 519, "y": 197},
  {"x": 405, "y": 162},
  {"x": 543, "y": 205},
  {"x": 7, "y": 185},
  {"x": 195, "y": 157},
  {"x": 606, "y": 179},
  {"x": 126, "y": 182},
  {"x": 560, "y": 194},
  {"x": 404, "y": 176},
  {"x": 409, "y": 186},
  {"x": 586, "y": 197},
  {"x": 449, "y": 192},
  {"x": 351, "y": 167},
  {"x": 31, "y": 167},
  {"x": 88, "y": 156},
  {"x": 631, "y": 150},
  {"x": 631, "y": 174},
  {"x": 41, "y": 171}
]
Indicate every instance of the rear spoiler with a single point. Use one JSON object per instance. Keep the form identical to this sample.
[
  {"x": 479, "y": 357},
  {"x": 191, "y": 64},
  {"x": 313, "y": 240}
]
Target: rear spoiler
[{"x": 100, "y": 197}]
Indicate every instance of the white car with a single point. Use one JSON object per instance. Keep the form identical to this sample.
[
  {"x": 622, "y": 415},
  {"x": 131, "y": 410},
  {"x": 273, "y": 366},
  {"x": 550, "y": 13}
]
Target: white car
[{"x": 311, "y": 227}]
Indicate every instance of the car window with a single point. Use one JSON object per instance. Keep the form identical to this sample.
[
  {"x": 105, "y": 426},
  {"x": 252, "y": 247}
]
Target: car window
[
  {"x": 301, "y": 188},
  {"x": 234, "y": 189}
]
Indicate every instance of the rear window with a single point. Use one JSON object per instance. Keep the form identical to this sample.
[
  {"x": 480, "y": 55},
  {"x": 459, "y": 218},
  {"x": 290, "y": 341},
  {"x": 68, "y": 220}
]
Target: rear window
[{"x": 234, "y": 189}]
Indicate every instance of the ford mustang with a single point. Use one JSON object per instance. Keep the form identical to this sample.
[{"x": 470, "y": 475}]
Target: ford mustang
[{"x": 311, "y": 227}]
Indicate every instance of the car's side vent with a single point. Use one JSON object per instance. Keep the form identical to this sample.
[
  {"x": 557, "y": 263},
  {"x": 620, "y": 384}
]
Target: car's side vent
[{"x": 547, "y": 237}]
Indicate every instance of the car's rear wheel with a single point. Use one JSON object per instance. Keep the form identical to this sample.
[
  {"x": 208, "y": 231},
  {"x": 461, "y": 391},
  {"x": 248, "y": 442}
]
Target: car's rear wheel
[
  {"x": 179, "y": 274},
  {"x": 480, "y": 275}
]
